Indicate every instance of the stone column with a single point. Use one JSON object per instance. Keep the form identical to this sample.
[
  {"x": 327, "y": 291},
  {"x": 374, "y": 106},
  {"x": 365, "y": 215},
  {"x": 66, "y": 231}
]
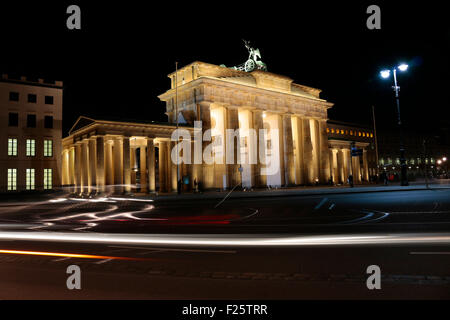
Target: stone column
[
  {"x": 334, "y": 165},
  {"x": 143, "y": 168},
  {"x": 65, "y": 167},
  {"x": 172, "y": 167},
  {"x": 220, "y": 167},
  {"x": 207, "y": 169},
  {"x": 357, "y": 169},
  {"x": 365, "y": 165},
  {"x": 127, "y": 164},
  {"x": 258, "y": 123},
  {"x": 162, "y": 161},
  {"x": 288, "y": 147},
  {"x": 109, "y": 164},
  {"x": 151, "y": 165},
  {"x": 297, "y": 130},
  {"x": 233, "y": 174},
  {"x": 92, "y": 164},
  {"x": 100, "y": 150},
  {"x": 281, "y": 155},
  {"x": 72, "y": 166},
  {"x": 77, "y": 165},
  {"x": 324, "y": 152},
  {"x": 308, "y": 152},
  {"x": 84, "y": 167},
  {"x": 118, "y": 164},
  {"x": 133, "y": 165}
]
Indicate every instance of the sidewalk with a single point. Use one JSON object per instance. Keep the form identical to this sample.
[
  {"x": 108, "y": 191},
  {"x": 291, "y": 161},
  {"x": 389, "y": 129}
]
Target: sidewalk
[{"x": 296, "y": 191}]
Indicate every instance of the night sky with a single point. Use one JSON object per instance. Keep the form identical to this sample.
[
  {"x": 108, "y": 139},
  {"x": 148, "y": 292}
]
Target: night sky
[{"x": 118, "y": 63}]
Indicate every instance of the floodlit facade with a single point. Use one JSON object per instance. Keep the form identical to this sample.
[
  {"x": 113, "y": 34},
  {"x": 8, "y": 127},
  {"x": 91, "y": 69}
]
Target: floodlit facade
[
  {"x": 281, "y": 123},
  {"x": 30, "y": 134}
]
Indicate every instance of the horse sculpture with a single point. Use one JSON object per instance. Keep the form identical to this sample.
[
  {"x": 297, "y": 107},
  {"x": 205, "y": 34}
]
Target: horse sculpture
[{"x": 253, "y": 62}]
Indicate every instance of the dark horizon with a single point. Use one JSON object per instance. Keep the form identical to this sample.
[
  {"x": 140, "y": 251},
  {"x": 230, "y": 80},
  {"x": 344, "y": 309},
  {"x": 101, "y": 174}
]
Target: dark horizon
[{"x": 118, "y": 63}]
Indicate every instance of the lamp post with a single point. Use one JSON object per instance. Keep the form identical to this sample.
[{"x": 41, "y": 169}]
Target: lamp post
[{"x": 386, "y": 74}]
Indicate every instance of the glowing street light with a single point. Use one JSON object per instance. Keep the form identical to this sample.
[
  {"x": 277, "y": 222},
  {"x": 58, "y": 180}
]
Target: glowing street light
[
  {"x": 403, "y": 67},
  {"x": 386, "y": 74}
]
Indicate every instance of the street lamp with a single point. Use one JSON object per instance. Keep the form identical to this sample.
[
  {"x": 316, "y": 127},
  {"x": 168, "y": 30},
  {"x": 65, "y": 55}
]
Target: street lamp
[{"x": 386, "y": 74}]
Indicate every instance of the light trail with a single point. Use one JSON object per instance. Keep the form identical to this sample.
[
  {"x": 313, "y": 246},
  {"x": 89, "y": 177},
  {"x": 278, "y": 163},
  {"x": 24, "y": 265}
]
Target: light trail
[
  {"x": 233, "y": 240},
  {"x": 66, "y": 255}
]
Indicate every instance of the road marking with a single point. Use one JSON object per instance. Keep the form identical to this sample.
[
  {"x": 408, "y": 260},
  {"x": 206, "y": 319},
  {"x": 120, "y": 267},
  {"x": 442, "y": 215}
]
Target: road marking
[
  {"x": 150, "y": 252},
  {"x": 430, "y": 252},
  {"x": 366, "y": 218},
  {"x": 175, "y": 249},
  {"x": 102, "y": 261},
  {"x": 331, "y": 207},
  {"x": 115, "y": 250},
  {"x": 61, "y": 259},
  {"x": 320, "y": 203}
]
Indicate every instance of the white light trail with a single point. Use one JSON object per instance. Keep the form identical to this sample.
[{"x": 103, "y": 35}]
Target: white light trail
[{"x": 234, "y": 240}]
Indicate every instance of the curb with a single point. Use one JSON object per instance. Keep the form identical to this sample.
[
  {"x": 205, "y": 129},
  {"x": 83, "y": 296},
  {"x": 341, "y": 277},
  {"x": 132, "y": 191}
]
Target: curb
[{"x": 285, "y": 193}]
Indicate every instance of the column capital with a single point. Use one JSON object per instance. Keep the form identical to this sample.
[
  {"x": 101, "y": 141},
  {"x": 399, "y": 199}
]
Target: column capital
[{"x": 230, "y": 107}]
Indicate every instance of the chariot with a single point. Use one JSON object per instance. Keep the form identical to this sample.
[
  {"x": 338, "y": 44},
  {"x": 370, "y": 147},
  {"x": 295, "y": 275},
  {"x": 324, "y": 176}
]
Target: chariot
[{"x": 253, "y": 62}]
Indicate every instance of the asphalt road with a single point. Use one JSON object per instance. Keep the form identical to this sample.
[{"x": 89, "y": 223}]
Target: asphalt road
[{"x": 308, "y": 247}]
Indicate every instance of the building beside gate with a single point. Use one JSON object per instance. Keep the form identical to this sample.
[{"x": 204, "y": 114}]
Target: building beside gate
[
  {"x": 290, "y": 128},
  {"x": 30, "y": 134}
]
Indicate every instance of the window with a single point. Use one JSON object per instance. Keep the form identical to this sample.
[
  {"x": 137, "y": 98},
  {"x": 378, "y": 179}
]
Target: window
[
  {"x": 30, "y": 179},
  {"x": 31, "y": 120},
  {"x": 12, "y": 179},
  {"x": 31, "y": 147},
  {"x": 48, "y": 148},
  {"x": 342, "y": 131},
  {"x": 332, "y": 130},
  {"x": 359, "y": 134},
  {"x": 47, "y": 179},
  {"x": 32, "y": 98},
  {"x": 48, "y": 122},
  {"x": 371, "y": 135},
  {"x": 351, "y": 132},
  {"x": 13, "y": 119},
  {"x": 328, "y": 130},
  {"x": 48, "y": 99},
  {"x": 13, "y": 96},
  {"x": 12, "y": 147}
]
